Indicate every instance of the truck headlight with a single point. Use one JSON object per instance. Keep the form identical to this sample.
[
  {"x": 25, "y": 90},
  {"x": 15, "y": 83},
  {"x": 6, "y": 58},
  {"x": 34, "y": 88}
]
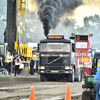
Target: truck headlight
[
  {"x": 66, "y": 67},
  {"x": 67, "y": 71},
  {"x": 42, "y": 71},
  {"x": 42, "y": 67}
]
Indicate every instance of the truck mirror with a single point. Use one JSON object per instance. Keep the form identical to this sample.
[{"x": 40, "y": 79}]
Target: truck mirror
[
  {"x": 73, "y": 48},
  {"x": 90, "y": 50},
  {"x": 38, "y": 48}
]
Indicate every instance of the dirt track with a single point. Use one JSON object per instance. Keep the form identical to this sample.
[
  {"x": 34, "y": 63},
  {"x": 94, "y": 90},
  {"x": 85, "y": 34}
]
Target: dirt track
[{"x": 13, "y": 88}]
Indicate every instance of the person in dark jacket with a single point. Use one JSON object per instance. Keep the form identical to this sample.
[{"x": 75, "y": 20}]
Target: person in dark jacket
[
  {"x": 13, "y": 63},
  {"x": 17, "y": 64},
  {"x": 31, "y": 66}
]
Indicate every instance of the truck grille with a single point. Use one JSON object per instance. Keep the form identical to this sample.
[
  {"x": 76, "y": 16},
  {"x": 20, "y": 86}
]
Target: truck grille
[
  {"x": 58, "y": 62},
  {"x": 54, "y": 68}
]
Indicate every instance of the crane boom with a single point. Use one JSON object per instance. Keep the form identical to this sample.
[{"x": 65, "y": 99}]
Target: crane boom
[{"x": 15, "y": 32}]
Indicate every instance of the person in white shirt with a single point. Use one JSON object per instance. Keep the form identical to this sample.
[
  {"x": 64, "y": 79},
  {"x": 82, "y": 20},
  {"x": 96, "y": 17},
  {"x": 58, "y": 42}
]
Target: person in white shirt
[
  {"x": 17, "y": 64},
  {"x": 9, "y": 63}
]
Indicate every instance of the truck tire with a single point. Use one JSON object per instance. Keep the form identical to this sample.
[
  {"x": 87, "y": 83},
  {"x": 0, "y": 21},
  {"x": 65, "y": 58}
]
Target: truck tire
[
  {"x": 42, "y": 77},
  {"x": 71, "y": 77},
  {"x": 85, "y": 95}
]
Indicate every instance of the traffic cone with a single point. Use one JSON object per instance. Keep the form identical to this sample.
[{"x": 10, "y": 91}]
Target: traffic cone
[
  {"x": 68, "y": 95},
  {"x": 32, "y": 95}
]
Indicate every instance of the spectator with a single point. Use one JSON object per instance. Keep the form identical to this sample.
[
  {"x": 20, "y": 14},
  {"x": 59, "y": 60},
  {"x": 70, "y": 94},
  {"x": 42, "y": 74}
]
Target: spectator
[
  {"x": 1, "y": 62},
  {"x": 21, "y": 67},
  {"x": 31, "y": 66},
  {"x": 9, "y": 63},
  {"x": 17, "y": 64},
  {"x": 13, "y": 63}
]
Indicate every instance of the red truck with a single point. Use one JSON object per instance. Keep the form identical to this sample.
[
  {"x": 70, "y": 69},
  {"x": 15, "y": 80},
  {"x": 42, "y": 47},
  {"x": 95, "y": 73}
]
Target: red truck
[{"x": 82, "y": 59}]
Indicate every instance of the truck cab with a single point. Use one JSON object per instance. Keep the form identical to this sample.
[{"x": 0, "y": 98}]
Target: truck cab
[{"x": 56, "y": 58}]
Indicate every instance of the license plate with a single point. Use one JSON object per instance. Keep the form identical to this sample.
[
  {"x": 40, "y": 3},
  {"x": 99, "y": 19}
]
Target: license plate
[{"x": 54, "y": 71}]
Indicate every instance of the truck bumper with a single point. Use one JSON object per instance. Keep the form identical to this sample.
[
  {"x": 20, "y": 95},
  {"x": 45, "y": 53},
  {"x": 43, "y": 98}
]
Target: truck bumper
[{"x": 55, "y": 71}]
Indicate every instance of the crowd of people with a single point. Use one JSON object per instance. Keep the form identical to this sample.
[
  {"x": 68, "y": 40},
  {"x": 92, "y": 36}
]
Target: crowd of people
[{"x": 13, "y": 65}]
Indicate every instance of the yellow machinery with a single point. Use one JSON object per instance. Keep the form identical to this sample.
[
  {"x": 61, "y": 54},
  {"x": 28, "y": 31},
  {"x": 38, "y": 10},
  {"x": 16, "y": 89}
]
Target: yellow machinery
[{"x": 20, "y": 44}]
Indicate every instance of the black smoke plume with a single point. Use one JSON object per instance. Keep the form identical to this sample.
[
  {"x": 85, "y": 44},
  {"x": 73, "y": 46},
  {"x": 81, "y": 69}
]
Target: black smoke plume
[{"x": 50, "y": 11}]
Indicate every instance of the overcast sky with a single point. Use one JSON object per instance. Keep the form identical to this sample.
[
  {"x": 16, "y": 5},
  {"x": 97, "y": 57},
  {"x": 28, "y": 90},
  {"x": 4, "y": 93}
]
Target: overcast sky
[{"x": 89, "y": 7}]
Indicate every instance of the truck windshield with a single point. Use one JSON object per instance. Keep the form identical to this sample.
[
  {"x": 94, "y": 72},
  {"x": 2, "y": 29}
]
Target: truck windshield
[
  {"x": 82, "y": 45},
  {"x": 55, "y": 47}
]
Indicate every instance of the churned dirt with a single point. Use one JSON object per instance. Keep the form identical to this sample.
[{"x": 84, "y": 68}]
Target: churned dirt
[{"x": 15, "y": 88}]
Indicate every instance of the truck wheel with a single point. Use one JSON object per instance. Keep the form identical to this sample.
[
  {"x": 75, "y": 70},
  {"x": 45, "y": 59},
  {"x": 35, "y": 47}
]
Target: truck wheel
[
  {"x": 71, "y": 77},
  {"x": 42, "y": 77},
  {"x": 85, "y": 95}
]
